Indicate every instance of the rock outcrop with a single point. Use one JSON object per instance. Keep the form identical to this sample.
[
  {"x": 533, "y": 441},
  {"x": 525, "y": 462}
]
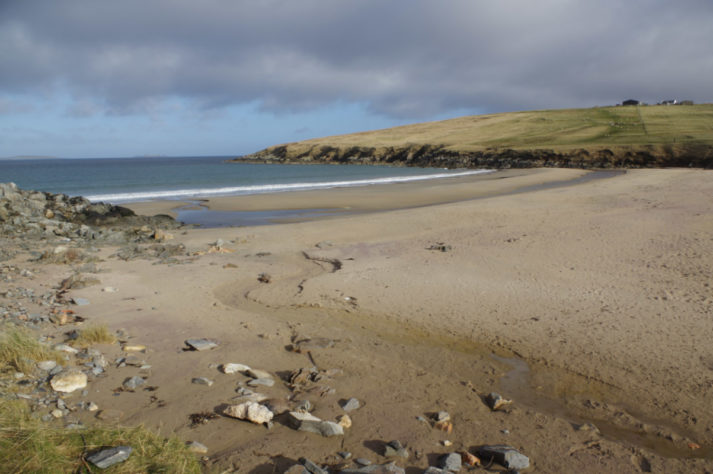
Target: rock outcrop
[
  {"x": 35, "y": 214},
  {"x": 440, "y": 156}
]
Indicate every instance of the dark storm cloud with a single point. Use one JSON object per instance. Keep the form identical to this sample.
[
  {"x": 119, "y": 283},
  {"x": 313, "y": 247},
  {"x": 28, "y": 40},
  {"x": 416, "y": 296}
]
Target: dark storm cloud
[{"x": 407, "y": 59}]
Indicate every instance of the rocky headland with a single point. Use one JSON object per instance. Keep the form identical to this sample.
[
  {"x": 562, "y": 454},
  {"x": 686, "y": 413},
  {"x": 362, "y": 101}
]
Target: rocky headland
[{"x": 442, "y": 156}]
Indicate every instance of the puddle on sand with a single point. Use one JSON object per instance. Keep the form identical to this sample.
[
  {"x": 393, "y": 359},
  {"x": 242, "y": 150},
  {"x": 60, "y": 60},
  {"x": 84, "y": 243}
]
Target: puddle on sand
[{"x": 517, "y": 384}]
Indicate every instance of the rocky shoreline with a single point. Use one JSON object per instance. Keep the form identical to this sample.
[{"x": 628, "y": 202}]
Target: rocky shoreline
[{"x": 440, "y": 156}]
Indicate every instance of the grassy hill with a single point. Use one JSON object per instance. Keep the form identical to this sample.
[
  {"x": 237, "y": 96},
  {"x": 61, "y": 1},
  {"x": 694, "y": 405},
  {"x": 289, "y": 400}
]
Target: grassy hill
[{"x": 632, "y": 136}]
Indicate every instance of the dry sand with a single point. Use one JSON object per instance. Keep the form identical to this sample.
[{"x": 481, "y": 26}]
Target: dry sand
[{"x": 582, "y": 303}]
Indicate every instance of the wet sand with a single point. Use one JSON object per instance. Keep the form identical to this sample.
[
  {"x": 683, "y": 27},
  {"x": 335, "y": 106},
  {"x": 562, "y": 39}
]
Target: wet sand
[{"x": 588, "y": 303}]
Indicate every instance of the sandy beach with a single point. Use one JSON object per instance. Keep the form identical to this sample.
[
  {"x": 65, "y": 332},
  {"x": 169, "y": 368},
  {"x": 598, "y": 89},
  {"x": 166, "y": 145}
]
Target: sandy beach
[{"x": 587, "y": 303}]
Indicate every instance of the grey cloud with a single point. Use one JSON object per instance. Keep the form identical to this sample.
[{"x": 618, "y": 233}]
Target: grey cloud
[{"x": 406, "y": 59}]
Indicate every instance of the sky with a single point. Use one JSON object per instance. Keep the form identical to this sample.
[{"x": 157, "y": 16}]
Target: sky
[{"x": 107, "y": 78}]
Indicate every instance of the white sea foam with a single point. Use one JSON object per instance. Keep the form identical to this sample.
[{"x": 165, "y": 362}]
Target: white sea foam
[{"x": 267, "y": 188}]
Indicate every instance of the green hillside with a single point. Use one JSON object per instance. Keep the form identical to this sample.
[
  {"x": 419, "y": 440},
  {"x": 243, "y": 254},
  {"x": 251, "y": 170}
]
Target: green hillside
[{"x": 675, "y": 135}]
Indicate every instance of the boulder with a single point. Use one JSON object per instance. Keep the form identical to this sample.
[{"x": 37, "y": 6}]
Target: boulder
[
  {"x": 69, "y": 381},
  {"x": 504, "y": 455},
  {"x": 251, "y": 411}
]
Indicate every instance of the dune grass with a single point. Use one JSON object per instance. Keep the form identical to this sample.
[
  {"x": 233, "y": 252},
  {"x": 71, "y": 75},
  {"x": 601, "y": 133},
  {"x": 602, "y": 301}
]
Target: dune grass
[
  {"x": 97, "y": 334},
  {"x": 20, "y": 350},
  {"x": 29, "y": 445}
]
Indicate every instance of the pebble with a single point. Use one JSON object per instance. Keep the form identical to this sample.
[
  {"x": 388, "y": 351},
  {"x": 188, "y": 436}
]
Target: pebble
[
  {"x": 110, "y": 289},
  {"x": 133, "y": 382},
  {"x": 65, "y": 348},
  {"x": 57, "y": 413},
  {"x": 344, "y": 421},
  {"x": 92, "y": 406},
  {"x": 495, "y": 401},
  {"x": 267, "y": 382},
  {"x": 232, "y": 368},
  {"x": 80, "y": 301},
  {"x": 346, "y": 455},
  {"x": 507, "y": 456},
  {"x": 202, "y": 381},
  {"x": 442, "y": 416},
  {"x": 351, "y": 404},
  {"x": 362, "y": 461},
  {"x": 108, "y": 457},
  {"x": 46, "y": 365},
  {"x": 69, "y": 381},
  {"x": 201, "y": 344}
]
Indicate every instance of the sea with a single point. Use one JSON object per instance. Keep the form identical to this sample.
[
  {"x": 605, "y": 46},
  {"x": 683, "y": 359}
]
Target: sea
[{"x": 125, "y": 180}]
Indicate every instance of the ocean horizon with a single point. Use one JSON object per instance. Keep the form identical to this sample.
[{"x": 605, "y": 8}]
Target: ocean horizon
[{"x": 133, "y": 179}]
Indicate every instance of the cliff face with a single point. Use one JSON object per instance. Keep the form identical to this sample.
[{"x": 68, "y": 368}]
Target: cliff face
[{"x": 437, "y": 156}]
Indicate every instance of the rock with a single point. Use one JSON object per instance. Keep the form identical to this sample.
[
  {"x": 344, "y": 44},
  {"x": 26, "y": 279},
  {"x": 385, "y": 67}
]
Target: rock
[
  {"x": 201, "y": 344},
  {"x": 251, "y": 411},
  {"x": 80, "y": 301},
  {"x": 507, "y": 456},
  {"x": 133, "y": 361},
  {"x": 344, "y": 421},
  {"x": 57, "y": 413},
  {"x": 69, "y": 381},
  {"x": 133, "y": 382},
  {"x": 110, "y": 289},
  {"x": 441, "y": 247},
  {"x": 233, "y": 368},
  {"x": 389, "y": 468},
  {"x": 304, "y": 406},
  {"x": 312, "y": 424},
  {"x": 110, "y": 414},
  {"x": 92, "y": 406},
  {"x": 351, "y": 404},
  {"x": 435, "y": 470},
  {"x": 258, "y": 374},
  {"x": 346, "y": 455},
  {"x": 363, "y": 462},
  {"x": 65, "y": 348},
  {"x": 445, "y": 426},
  {"x": 447, "y": 443},
  {"x": 133, "y": 348},
  {"x": 202, "y": 381},
  {"x": 267, "y": 382},
  {"x": 108, "y": 457},
  {"x": 312, "y": 467},
  {"x": 46, "y": 365},
  {"x": 442, "y": 416},
  {"x": 469, "y": 459},
  {"x": 394, "y": 448},
  {"x": 451, "y": 462},
  {"x": 495, "y": 401},
  {"x": 264, "y": 278},
  {"x": 196, "y": 447}
]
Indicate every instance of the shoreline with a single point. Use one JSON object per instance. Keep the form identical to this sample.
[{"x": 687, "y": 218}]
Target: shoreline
[{"x": 374, "y": 198}]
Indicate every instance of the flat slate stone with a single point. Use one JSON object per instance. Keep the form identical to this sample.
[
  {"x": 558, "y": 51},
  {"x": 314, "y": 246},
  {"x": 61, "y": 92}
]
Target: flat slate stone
[
  {"x": 108, "y": 457},
  {"x": 351, "y": 404},
  {"x": 201, "y": 344}
]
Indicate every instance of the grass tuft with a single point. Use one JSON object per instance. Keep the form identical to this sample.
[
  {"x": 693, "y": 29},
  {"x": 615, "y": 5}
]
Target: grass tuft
[
  {"x": 19, "y": 350},
  {"x": 94, "y": 335},
  {"x": 28, "y": 445}
]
